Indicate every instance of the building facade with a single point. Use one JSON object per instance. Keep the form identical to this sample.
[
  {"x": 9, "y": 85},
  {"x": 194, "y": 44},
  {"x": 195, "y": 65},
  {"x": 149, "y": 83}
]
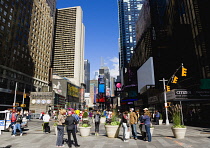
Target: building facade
[
  {"x": 68, "y": 56},
  {"x": 26, "y": 44},
  {"x": 87, "y": 75},
  {"x": 128, "y": 11}
]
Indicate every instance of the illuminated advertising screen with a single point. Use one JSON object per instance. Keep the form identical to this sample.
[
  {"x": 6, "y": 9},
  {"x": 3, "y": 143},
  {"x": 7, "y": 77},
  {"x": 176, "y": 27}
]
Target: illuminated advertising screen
[{"x": 101, "y": 88}]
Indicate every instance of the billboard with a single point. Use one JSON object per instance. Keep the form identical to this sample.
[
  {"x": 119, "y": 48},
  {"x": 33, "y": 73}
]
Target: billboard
[
  {"x": 145, "y": 75},
  {"x": 101, "y": 88}
]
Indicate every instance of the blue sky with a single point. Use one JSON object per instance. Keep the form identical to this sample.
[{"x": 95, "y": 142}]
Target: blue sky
[{"x": 100, "y": 18}]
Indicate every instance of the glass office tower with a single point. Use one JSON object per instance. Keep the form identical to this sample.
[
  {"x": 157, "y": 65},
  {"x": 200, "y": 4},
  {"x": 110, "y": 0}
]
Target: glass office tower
[{"x": 128, "y": 14}]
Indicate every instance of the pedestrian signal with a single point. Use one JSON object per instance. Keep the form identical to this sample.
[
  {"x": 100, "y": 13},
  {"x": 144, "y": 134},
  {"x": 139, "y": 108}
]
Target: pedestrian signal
[
  {"x": 175, "y": 79},
  {"x": 184, "y": 71},
  {"x": 24, "y": 95},
  {"x": 167, "y": 88}
]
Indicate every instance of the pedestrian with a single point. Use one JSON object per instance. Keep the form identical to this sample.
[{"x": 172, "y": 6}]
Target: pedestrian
[
  {"x": 126, "y": 126},
  {"x": 77, "y": 118},
  {"x": 142, "y": 126},
  {"x": 60, "y": 127},
  {"x": 157, "y": 117},
  {"x": 46, "y": 127},
  {"x": 70, "y": 127},
  {"x": 18, "y": 124},
  {"x": 97, "y": 118},
  {"x": 13, "y": 118},
  {"x": 90, "y": 116},
  {"x": 147, "y": 122},
  {"x": 133, "y": 122},
  {"x": 29, "y": 115}
]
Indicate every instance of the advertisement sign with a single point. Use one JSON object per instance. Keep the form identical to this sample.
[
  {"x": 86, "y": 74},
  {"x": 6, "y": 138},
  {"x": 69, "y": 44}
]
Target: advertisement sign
[{"x": 101, "y": 88}]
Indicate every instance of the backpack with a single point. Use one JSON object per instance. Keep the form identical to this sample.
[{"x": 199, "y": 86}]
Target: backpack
[
  {"x": 97, "y": 118},
  {"x": 19, "y": 118},
  {"x": 13, "y": 118}
]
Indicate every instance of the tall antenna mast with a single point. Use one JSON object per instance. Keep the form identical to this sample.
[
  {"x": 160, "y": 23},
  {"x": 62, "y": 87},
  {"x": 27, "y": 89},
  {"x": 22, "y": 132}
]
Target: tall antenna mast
[{"x": 102, "y": 62}]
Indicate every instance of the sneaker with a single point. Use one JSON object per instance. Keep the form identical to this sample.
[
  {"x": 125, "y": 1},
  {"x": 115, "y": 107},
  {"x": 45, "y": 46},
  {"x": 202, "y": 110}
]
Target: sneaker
[
  {"x": 21, "y": 134},
  {"x": 77, "y": 145},
  {"x": 135, "y": 138},
  {"x": 125, "y": 140},
  {"x": 13, "y": 135}
]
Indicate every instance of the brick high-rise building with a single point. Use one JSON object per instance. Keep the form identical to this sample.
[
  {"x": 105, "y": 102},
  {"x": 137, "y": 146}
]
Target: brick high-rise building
[{"x": 68, "y": 59}]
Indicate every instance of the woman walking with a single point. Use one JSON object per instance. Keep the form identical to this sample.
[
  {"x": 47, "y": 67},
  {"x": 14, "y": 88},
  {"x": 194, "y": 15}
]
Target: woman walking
[
  {"x": 97, "y": 118},
  {"x": 147, "y": 122},
  {"x": 125, "y": 125},
  {"x": 60, "y": 127}
]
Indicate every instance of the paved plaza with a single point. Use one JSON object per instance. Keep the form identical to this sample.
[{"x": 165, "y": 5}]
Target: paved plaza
[{"x": 33, "y": 137}]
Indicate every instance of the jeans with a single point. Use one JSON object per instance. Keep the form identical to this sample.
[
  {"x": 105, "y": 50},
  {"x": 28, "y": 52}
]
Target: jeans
[
  {"x": 69, "y": 132},
  {"x": 97, "y": 127},
  {"x": 60, "y": 135},
  {"x": 134, "y": 132},
  {"x": 12, "y": 125},
  {"x": 44, "y": 126},
  {"x": 125, "y": 129},
  {"x": 17, "y": 126},
  {"x": 157, "y": 120},
  {"x": 147, "y": 127}
]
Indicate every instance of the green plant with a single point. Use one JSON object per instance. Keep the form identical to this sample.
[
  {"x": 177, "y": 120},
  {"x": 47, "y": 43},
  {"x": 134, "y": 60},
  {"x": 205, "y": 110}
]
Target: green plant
[
  {"x": 55, "y": 124},
  {"x": 175, "y": 111},
  {"x": 85, "y": 123},
  {"x": 85, "y": 115},
  {"x": 114, "y": 119},
  {"x": 161, "y": 116}
]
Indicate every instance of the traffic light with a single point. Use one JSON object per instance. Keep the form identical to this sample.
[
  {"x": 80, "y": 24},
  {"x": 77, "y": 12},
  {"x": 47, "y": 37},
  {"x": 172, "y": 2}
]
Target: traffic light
[
  {"x": 184, "y": 71},
  {"x": 175, "y": 79},
  {"x": 23, "y": 105},
  {"x": 167, "y": 88}
]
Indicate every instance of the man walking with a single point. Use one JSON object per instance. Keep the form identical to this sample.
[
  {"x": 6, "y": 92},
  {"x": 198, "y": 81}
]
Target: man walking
[
  {"x": 157, "y": 117},
  {"x": 133, "y": 122},
  {"x": 70, "y": 127},
  {"x": 18, "y": 124}
]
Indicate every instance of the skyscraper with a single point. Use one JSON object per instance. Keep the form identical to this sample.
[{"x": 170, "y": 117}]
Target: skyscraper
[
  {"x": 68, "y": 59},
  {"x": 25, "y": 45},
  {"x": 128, "y": 14},
  {"x": 87, "y": 75}
]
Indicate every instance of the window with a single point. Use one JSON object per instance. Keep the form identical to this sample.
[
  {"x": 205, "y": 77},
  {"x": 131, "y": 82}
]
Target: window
[
  {"x": 9, "y": 24},
  {"x": 2, "y": 27},
  {"x": 5, "y": 13}
]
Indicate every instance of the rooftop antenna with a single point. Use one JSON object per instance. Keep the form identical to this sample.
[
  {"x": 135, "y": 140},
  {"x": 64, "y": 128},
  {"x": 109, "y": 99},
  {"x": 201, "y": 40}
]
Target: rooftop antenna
[{"x": 102, "y": 62}]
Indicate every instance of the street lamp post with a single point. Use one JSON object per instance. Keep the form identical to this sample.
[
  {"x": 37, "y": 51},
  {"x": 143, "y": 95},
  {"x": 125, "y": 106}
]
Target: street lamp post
[{"x": 164, "y": 86}]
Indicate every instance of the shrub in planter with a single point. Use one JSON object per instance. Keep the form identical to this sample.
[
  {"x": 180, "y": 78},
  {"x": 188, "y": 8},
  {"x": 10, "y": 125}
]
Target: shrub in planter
[
  {"x": 178, "y": 128},
  {"x": 85, "y": 115},
  {"x": 84, "y": 128}
]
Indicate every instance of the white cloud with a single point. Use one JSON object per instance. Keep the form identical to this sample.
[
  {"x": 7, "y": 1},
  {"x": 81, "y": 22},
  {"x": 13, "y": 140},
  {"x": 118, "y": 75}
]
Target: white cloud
[{"x": 114, "y": 67}]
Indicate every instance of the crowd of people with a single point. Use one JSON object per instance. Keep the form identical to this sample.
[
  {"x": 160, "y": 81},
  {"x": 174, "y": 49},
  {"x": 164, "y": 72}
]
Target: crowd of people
[{"x": 70, "y": 119}]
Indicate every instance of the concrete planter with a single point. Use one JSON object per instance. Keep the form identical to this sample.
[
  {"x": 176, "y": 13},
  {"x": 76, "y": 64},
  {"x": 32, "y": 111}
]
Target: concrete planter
[
  {"x": 102, "y": 120},
  {"x": 152, "y": 131},
  {"x": 179, "y": 133},
  {"x": 160, "y": 122},
  {"x": 84, "y": 131},
  {"x": 112, "y": 131}
]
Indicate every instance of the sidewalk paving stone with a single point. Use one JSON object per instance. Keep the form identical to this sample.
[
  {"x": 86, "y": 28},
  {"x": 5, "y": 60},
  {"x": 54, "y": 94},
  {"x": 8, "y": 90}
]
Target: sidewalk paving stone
[{"x": 33, "y": 137}]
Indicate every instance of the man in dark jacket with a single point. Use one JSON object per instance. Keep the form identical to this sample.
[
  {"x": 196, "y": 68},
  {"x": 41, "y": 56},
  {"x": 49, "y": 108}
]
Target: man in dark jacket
[{"x": 70, "y": 127}]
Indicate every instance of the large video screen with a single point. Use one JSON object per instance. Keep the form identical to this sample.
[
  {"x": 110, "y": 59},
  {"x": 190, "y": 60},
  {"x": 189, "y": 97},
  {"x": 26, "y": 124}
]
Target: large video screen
[
  {"x": 145, "y": 75},
  {"x": 101, "y": 88}
]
